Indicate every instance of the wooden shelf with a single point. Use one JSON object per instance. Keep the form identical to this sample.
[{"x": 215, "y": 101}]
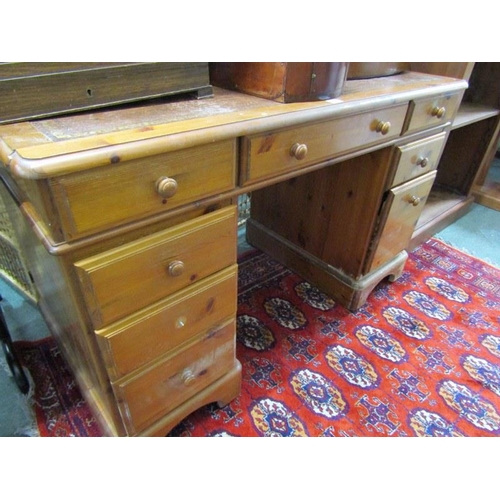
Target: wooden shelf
[
  {"x": 441, "y": 209},
  {"x": 488, "y": 193},
  {"x": 471, "y": 113}
]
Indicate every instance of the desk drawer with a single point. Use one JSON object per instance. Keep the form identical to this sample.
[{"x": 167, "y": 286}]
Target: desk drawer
[
  {"x": 129, "y": 344},
  {"x": 121, "y": 281},
  {"x": 160, "y": 388},
  {"x": 272, "y": 154},
  {"x": 426, "y": 113},
  {"x": 401, "y": 212},
  {"x": 418, "y": 158},
  {"x": 103, "y": 197}
]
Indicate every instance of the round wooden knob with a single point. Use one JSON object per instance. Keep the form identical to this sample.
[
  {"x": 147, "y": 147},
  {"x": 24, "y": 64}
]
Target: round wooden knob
[
  {"x": 188, "y": 377},
  {"x": 166, "y": 187},
  {"x": 414, "y": 200},
  {"x": 423, "y": 162},
  {"x": 298, "y": 151},
  {"x": 383, "y": 127},
  {"x": 438, "y": 112},
  {"x": 176, "y": 268}
]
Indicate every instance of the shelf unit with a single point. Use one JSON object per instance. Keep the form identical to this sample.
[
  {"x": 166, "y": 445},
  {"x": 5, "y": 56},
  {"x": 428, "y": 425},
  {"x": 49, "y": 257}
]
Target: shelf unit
[{"x": 462, "y": 174}]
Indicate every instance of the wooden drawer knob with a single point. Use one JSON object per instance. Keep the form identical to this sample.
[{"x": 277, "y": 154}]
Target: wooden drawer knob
[
  {"x": 188, "y": 377},
  {"x": 423, "y": 162},
  {"x": 383, "y": 127},
  {"x": 414, "y": 200},
  {"x": 176, "y": 268},
  {"x": 298, "y": 151},
  {"x": 166, "y": 187},
  {"x": 438, "y": 112}
]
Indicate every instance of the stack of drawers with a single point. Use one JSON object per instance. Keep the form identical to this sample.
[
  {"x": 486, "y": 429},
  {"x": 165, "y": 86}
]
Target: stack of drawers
[
  {"x": 145, "y": 295},
  {"x": 163, "y": 309},
  {"x": 413, "y": 165},
  {"x": 415, "y": 170}
]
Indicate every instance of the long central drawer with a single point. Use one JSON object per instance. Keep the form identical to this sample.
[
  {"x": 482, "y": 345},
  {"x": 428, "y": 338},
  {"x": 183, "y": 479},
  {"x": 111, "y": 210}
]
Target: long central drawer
[
  {"x": 268, "y": 155},
  {"x": 123, "y": 280}
]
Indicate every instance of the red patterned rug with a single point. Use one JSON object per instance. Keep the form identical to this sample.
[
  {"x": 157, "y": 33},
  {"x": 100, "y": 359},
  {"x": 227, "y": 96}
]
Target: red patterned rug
[{"x": 420, "y": 358}]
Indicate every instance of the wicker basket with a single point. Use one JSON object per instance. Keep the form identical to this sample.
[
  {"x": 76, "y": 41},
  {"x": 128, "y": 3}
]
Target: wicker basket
[
  {"x": 12, "y": 264},
  {"x": 243, "y": 209}
]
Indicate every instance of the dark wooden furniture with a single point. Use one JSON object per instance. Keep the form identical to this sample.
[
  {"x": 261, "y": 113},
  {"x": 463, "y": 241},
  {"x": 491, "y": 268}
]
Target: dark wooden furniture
[
  {"x": 34, "y": 90},
  {"x": 282, "y": 81}
]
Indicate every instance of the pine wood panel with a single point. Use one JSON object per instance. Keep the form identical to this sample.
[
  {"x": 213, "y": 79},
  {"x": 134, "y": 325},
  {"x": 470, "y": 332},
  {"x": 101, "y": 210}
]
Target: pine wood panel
[
  {"x": 101, "y": 198},
  {"x": 45, "y": 148},
  {"x": 418, "y": 158},
  {"x": 159, "y": 389},
  {"x": 400, "y": 218},
  {"x": 271, "y": 154},
  {"x": 140, "y": 338},
  {"x": 422, "y": 111},
  {"x": 329, "y": 213},
  {"x": 222, "y": 392},
  {"x": 123, "y": 280}
]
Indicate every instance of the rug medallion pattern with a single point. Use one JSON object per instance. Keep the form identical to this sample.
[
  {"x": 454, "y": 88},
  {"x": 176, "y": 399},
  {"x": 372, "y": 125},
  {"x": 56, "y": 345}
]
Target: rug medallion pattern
[{"x": 420, "y": 358}]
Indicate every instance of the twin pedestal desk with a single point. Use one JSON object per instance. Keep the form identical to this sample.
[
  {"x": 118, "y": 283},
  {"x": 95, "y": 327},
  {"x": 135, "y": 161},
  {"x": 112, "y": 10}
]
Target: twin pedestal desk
[{"x": 128, "y": 223}]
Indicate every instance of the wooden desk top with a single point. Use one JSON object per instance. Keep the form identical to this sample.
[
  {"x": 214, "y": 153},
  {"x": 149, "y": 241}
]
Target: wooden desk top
[{"x": 56, "y": 146}]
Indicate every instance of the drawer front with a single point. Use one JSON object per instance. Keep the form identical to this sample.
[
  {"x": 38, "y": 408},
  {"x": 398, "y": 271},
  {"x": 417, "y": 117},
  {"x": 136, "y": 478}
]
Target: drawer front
[
  {"x": 158, "y": 390},
  {"x": 121, "y": 281},
  {"x": 432, "y": 112},
  {"x": 400, "y": 215},
  {"x": 103, "y": 197},
  {"x": 269, "y": 155},
  {"x": 418, "y": 158},
  {"x": 151, "y": 333}
]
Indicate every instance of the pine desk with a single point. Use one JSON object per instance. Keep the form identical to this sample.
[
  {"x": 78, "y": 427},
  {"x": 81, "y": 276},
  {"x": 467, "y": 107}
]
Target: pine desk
[{"x": 128, "y": 221}]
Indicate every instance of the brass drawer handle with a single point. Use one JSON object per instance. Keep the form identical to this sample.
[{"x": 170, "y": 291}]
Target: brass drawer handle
[
  {"x": 188, "y": 377},
  {"x": 423, "y": 162},
  {"x": 438, "y": 112},
  {"x": 298, "y": 151},
  {"x": 414, "y": 200},
  {"x": 166, "y": 187},
  {"x": 176, "y": 268},
  {"x": 383, "y": 127}
]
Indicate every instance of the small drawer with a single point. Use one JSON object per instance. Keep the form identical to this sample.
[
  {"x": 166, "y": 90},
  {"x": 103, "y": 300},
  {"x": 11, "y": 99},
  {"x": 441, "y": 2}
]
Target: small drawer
[
  {"x": 123, "y": 280},
  {"x": 427, "y": 113},
  {"x": 418, "y": 158},
  {"x": 159, "y": 389},
  {"x": 100, "y": 198},
  {"x": 273, "y": 154},
  {"x": 399, "y": 217},
  {"x": 139, "y": 339}
]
